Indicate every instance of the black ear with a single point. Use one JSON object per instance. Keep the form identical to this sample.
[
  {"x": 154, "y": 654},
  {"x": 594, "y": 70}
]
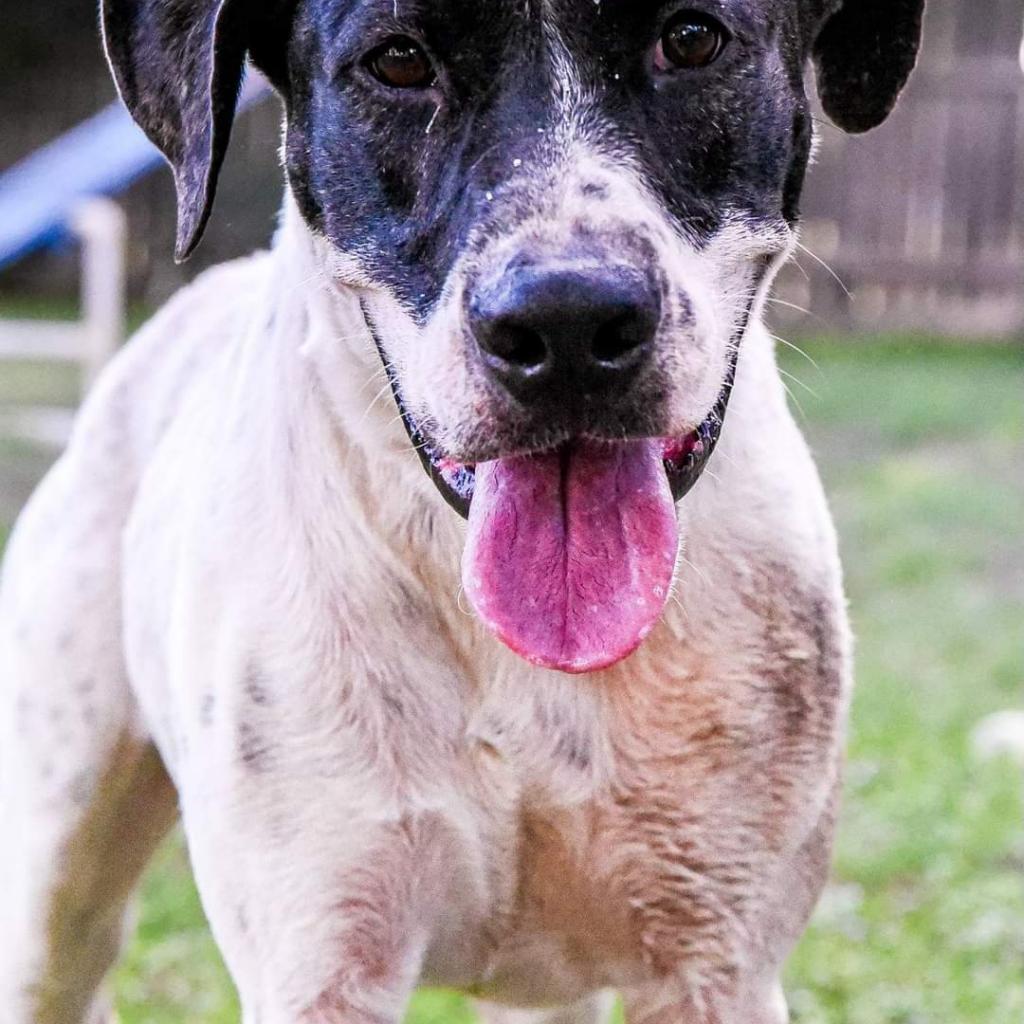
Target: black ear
[
  {"x": 864, "y": 55},
  {"x": 178, "y": 65}
]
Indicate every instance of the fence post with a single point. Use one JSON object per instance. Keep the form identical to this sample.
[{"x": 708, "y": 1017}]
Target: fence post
[{"x": 100, "y": 226}]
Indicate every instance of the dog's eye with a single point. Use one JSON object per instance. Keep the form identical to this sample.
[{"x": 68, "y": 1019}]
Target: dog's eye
[
  {"x": 690, "y": 40},
  {"x": 402, "y": 64}
]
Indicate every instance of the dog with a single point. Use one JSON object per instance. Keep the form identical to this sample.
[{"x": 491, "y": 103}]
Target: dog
[{"x": 562, "y": 714}]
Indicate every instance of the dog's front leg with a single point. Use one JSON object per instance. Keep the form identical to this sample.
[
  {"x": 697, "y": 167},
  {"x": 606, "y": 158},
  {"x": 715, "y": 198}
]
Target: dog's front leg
[
  {"x": 758, "y": 999},
  {"x": 323, "y": 918}
]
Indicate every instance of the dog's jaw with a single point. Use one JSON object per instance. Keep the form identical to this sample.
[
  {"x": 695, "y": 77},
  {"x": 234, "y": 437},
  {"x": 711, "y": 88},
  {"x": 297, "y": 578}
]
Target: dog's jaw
[{"x": 684, "y": 458}]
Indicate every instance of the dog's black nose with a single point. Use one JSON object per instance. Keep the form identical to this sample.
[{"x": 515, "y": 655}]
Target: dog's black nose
[{"x": 555, "y": 333}]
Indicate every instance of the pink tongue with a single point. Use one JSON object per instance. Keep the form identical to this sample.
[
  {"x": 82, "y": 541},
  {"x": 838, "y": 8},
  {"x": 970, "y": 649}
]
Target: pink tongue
[{"x": 571, "y": 553}]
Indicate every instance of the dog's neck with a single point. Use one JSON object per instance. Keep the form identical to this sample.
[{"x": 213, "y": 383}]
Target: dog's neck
[
  {"x": 326, "y": 291},
  {"x": 327, "y": 407}
]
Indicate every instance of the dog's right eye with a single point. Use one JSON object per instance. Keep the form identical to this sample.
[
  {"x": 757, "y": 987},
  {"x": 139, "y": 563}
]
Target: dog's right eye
[
  {"x": 401, "y": 63},
  {"x": 691, "y": 40}
]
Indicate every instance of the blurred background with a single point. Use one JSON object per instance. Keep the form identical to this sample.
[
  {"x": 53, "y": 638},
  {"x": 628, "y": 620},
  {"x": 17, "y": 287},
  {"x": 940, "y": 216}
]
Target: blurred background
[{"x": 901, "y": 336}]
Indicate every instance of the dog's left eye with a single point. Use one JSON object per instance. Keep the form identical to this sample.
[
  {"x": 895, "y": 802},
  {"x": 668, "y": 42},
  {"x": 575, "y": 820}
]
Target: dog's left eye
[
  {"x": 690, "y": 40},
  {"x": 401, "y": 63}
]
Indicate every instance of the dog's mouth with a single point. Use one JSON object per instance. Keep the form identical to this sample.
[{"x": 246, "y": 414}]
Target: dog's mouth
[
  {"x": 683, "y": 458},
  {"x": 571, "y": 550}
]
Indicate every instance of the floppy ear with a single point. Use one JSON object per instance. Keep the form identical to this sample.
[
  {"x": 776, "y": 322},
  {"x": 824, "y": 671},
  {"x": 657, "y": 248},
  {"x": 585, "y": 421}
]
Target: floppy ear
[
  {"x": 178, "y": 65},
  {"x": 864, "y": 55}
]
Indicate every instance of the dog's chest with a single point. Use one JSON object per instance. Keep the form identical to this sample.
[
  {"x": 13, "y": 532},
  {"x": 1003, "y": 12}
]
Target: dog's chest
[
  {"x": 590, "y": 883},
  {"x": 559, "y": 920},
  {"x": 644, "y": 815},
  {"x": 551, "y": 929}
]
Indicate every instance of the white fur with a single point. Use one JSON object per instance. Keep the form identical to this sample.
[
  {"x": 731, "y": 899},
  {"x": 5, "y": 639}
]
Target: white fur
[{"x": 241, "y": 555}]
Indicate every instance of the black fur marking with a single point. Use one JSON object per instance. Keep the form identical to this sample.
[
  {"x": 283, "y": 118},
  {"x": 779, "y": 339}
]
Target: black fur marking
[
  {"x": 254, "y": 685},
  {"x": 864, "y": 55},
  {"x": 394, "y": 705},
  {"x": 178, "y": 66},
  {"x": 254, "y": 750},
  {"x": 404, "y": 177}
]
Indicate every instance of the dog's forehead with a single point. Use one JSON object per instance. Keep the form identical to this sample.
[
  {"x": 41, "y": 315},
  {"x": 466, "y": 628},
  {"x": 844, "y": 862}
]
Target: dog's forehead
[{"x": 499, "y": 24}]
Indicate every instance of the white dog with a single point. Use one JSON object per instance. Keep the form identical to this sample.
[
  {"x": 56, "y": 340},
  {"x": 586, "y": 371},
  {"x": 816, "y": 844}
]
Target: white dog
[{"x": 545, "y": 234}]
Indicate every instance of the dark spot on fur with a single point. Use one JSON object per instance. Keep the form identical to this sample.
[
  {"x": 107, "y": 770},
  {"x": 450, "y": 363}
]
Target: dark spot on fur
[
  {"x": 830, "y": 655},
  {"x": 393, "y": 704},
  {"x": 253, "y": 748},
  {"x": 570, "y": 745},
  {"x": 488, "y": 748},
  {"x": 408, "y": 604},
  {"x": 86, "y": 685},
  {"x": 254, "y": 685},
  {"x": 242, "y": 918},
  {"x": 803, "y": 687},
  {"x": 206, "y": 706},
  {"x": 594, "y": 190},
  {"x": 575, "y": 750}
]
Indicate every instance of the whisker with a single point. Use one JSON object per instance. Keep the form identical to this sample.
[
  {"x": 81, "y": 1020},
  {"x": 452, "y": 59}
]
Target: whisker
[
  {"x": 797, "y": 380},
  {"x": 375, "y": 376},
  {"x": 791, "y": 305},
  {"x": 674, "y": 598},
  {"x": 458, "y": 602},
  {"x": 814, "y": 256},
  {"x": 795, "y": 401},
  {"x": 318, "y": 276},
  {"x": 720, "y": 453},
  {"x": 799, "y": 266},
  {"x": 702, "y": 576},
  {"x": 799, "y": 350},
  {"x": 376, "y": 398}
]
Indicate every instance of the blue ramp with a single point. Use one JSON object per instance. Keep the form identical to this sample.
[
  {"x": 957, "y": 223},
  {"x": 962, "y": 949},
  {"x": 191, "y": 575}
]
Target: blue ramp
[{"x": 100, "y": 157}]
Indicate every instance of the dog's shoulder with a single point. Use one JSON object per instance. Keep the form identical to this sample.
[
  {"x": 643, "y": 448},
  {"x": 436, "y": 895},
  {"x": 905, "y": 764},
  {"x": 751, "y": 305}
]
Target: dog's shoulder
[
  {"x": 92, "y": 488},
  {"x": 156, "y": 372}
]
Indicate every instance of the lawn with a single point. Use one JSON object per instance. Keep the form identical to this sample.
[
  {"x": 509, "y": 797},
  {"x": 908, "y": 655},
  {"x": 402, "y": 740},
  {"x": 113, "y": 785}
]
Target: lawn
[{"x": 922, "y": 450}]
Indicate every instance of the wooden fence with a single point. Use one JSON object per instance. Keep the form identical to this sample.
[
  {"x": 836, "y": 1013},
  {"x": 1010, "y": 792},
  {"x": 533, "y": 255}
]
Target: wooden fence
[{"x": 922, "y": 220}]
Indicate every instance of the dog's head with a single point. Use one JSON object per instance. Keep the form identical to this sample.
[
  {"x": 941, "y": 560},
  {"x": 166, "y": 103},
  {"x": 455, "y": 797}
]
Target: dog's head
[{"x": 561, "y": 214}]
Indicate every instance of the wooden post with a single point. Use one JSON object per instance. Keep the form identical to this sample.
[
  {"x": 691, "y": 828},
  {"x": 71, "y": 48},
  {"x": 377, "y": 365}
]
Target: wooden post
[{"x": 100, "y": 226}]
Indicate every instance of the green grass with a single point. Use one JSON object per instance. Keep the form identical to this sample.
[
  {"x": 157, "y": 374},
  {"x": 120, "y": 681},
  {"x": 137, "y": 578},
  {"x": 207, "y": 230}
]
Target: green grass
[
  {"x": 28, "y": 382},
  {"x": 922, "y": 450},
  {"x": 922, "y": 455}
]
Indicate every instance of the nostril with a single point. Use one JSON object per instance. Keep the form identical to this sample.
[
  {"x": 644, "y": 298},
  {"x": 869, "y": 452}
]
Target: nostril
[
  {"x": 618, "y": 338},
  {"x": 547, "y": 331},
  {"x": 519, "y": 346}
]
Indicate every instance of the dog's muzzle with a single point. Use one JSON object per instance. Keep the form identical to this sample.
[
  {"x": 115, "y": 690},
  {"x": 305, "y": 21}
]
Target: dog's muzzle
[{"x": 571, "y": 550}]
